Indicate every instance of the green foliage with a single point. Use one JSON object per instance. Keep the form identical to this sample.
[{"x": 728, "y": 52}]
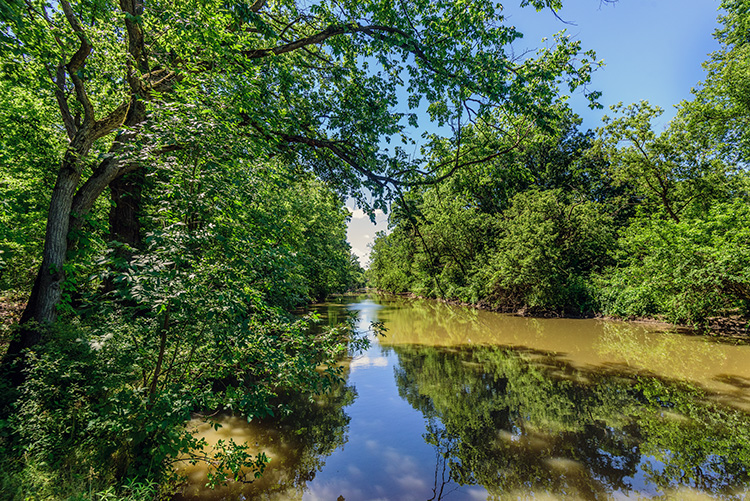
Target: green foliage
[
  {"x": 38, "y": 484},
  {"x": 545, "y": 249},
  {"x": 242, "y": 145},
  {"x": 670, "y": 171},
  {"x": 721, "y": 106},
  {"x": 533, "y": 227},
  {"x": 190, "y": 323},
  {"x": 29, "y": 148},
  {"x": 451, "y": 233},
  {"x": 390, "y": 262},
  {"x": 524, "y": 231},
  {"x": 107, "y": 400},
  {"x": 283, "y": 228},
  {"x": 687, "y": 271}
]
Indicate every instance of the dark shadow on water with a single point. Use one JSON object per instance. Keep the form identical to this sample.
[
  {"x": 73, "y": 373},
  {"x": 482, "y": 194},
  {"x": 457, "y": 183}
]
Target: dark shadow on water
[
  {"x": 297, "y": 443},
  {"x": 521, "y": 421},
  {"x": 736, "y": 381}
]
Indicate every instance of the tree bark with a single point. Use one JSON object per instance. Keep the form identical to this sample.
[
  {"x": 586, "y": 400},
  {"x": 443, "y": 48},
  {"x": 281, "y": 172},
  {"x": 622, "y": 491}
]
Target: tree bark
[
  {"x": 41, "y": 309},
  {"x": 124, "y": 223},
  {"x": 68, "y": 205}
]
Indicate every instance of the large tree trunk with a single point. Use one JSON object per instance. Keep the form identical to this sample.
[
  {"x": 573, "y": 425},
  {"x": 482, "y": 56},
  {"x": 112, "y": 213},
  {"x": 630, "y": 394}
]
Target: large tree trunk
[
  {"x": 41, "y": 309},
  {"x": 69, "y": 202},
  {"x": 124, "y": 223},
  {"x": 68, "y": 205},
  {"x": 126, "y": 192}
]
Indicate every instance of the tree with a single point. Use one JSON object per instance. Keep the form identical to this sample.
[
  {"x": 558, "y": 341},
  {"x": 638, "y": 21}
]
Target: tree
[
  {"x": 547, "y": 246},
  {"x": 195, "y": 322},
  {"x": 671, "y": 170},
  {"x": 29, "y": 148},
  {"x": 720, "y": 109},
  {"x": 674, "y": 256},
  {"x": 390, "y": 262},
  {"x": 292, "y": 78},
  {"x": 687, "y": 271},
  {"x": 523, "y": 231}
]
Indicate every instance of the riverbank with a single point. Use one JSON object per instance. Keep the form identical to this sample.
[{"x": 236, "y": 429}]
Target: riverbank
[{"x": 731, "y": 329}]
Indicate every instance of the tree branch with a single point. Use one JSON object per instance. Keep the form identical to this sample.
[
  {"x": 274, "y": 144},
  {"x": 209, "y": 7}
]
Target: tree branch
[
  {"x": 374, "y": 30},
  {"x": 303, "y": 42},
  {"x": 133, "y": 10},
  {"x": 336, "y": 149},
  {"x": 77, "y": 61},
  {"x": 255, "y": 7},
  {"x": 62, "y": 102}
]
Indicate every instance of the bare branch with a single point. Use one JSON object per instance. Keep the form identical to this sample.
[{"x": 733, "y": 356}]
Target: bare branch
[
  {"x": 114, "y": 120},
  {"x": 554, "y": 12},
  {"x": 133, "y": 9},
  {"x": 76, "y": 63},
  {"x": 289, "y": 25},
  {"x": 336, "y": 149},
  {"x": 255, "y": 7},
  {"x": 303, "y": 42},
  {"x": 374, "y": 30},
  {"x": 62, "y": 102}
]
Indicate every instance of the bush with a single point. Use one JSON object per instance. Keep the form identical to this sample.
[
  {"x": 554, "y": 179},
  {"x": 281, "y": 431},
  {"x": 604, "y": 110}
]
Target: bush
[
  {"x": 686, "y": 271},
  {"x": 546, "y": 250}
]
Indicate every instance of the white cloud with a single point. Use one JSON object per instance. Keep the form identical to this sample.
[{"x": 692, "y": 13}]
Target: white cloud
[
  {"x": 477, "y": 493},
  {"x": 363, "y": 255},
  {"x": 365, "y": 361},
  {"x": 361, "y": 230}
]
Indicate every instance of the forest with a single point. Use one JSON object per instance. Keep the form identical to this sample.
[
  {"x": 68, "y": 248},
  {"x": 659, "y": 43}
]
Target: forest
[
  {"x": 626, "y": 221},
  {"x": 173, "y": 178}
]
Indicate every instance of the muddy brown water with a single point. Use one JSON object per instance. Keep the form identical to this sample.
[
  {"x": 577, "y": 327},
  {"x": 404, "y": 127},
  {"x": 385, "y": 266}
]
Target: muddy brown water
[{"x": 461, "y": 404}]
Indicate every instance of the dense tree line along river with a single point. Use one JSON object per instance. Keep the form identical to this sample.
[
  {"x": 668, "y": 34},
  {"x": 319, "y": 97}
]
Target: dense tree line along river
[
  {"x": 174, "y": 183},
  {"x": 456, "y": 403}
]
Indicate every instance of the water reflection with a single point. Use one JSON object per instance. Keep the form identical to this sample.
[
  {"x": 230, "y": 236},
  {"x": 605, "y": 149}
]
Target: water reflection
[
  {"x": 583, "y": 343},
  {"x": 297, "y": 444},
  {"x": 455, "y": 403},
  {"x": 505, "y": 421}
]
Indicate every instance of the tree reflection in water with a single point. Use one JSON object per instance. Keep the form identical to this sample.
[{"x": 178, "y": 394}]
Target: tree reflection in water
[
  {"x": 519, "y": 422},
  {"x": 297, "y": 443}
]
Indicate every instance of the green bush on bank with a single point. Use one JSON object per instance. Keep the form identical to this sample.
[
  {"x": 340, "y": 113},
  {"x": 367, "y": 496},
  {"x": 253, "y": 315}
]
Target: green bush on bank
[
  {"x": 97, "y": 410},
  {"x": 537, "y": 255},
  {"x": 546, "y": 249},
  {"x": 553, "y": 255},
  {"x": 686, "y": 271},
  {"x": 39, "y": 484}
]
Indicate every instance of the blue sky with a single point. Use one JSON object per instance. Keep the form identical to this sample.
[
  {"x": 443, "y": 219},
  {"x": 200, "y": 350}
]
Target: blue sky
[{"x": 652, "y": 50}]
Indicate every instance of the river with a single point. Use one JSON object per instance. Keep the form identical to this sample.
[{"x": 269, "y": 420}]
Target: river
[{"x": 459, "y": 404}]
